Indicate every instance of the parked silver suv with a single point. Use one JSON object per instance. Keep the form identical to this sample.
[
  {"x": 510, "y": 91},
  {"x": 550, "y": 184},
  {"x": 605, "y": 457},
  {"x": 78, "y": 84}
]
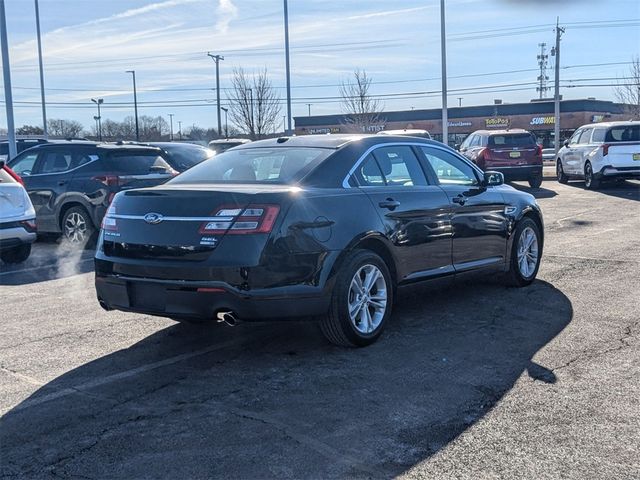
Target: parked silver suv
[{"x": 17, "y": 218}]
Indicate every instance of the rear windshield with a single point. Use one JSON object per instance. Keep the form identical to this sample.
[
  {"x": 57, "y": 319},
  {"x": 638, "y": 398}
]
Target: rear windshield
[
  {"x": 623, "y": 133},
  {"x": 512, "y": 140},
  {"x": 256, "y": 165},
  {"x": 186, "y": 156},
  {"x": 137, "y": 163}
]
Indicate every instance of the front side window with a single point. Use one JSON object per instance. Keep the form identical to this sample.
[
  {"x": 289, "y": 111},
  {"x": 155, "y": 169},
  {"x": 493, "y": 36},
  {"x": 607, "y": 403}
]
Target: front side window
[
  {"x": 574, "y": 138},
  {"x": 450, "y": 169},
  {"x": 23, "y": 165},
  {"x": 256, "y": 165}
]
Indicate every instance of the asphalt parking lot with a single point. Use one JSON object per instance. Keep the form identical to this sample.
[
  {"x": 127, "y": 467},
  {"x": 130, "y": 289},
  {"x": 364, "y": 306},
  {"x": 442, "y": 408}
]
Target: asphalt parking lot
[{"x": 469, "y": 381}]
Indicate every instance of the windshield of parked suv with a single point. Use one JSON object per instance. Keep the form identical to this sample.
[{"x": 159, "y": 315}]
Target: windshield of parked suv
[
  {"x": 512, "y": 140},
  {"x": 256, "y": 165},
  {"x": 623, "y": 133}
]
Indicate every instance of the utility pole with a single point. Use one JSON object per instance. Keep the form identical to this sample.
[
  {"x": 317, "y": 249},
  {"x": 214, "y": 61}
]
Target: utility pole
[
  {"x": 6, "y": 72},
  {"x": 171, "y": 126},
  {"x": 288, "y": 69},
  {"x": 135, "y": 103},
  {"x": 98, "y": 102},
  {"x": 542, "y": 78},
  {"x": 443, "y": 45},
  {"x": 217, "y": 58},
  {"x": 309, "y": 105},
  {"x": 226, "y": 122},
  {"x": 44, "y": 103},
  {"x": 180, "y": 128},
  {"x": 556, "y": 96},
  {"x": 460, "y": 101}
]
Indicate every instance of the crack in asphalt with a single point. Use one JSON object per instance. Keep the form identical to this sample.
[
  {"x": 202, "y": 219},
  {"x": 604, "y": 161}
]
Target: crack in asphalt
[{"x": 585, "y": 354}]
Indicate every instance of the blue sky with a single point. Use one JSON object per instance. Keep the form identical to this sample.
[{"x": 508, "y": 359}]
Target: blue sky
[{"x": 88, "y": 45}]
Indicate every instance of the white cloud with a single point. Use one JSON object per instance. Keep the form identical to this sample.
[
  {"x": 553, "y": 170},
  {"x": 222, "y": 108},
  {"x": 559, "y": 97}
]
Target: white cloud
[{"x": 227, "y": 11}]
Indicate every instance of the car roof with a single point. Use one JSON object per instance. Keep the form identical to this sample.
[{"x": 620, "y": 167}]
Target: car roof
[
  {"x": 101, "y": 146},
  {"x": 501, "y": 132},
  {"x": 612, "y": 124},
  {"x": 332, "y": 141},
  {"x": 230, "y": 140},
  {"x": 175, "y": 144}
]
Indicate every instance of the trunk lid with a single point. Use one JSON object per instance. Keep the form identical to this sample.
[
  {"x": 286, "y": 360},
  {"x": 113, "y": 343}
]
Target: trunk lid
[
  {"x": 512, "y": 150},
  {"x": 622, "y": 154},
  {"x": 189, "y": 221},
  {"x": 14, "y": 203}
]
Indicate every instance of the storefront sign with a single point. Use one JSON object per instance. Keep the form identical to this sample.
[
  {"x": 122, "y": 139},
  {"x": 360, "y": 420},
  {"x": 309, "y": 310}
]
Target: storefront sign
[
  {"x": 543, "y": 121},
  {"x": 372, "y": 128},
  {"x": 459, "y": 124},
  {"x": 496, "y": 122},
  {"x": 320, "y": 131},
  {"x": 597, "y": 118}
]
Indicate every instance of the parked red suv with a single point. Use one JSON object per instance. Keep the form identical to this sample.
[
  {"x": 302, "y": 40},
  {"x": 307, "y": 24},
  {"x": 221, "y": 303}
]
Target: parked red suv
[{"x": 515, "y": 153}]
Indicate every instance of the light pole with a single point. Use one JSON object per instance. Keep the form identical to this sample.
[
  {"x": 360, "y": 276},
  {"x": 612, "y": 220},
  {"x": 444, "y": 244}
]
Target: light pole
[
  {"x": 288, "y": 69},
  {"x": 44, "y": 103},
  {"x": 96, "y": 118},
  {"x": 217, "y": 58},
  {"x": 98, "y": 102},
  {"x": 443, "y": 45},
  {"x": 309, "y": 106},
  {"x": 135, "y": 103},
  {"x": 6, "y": 71},
  {"x": 253, "y": 127},
  {"x": 180, "y": 128},
  {"x": 226, "y": 122},
  {"x": 460, "y": 101},
  {"x": 171, "y": 123}
]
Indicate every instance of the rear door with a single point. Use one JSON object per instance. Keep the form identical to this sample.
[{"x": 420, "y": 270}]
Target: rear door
[
  {"x": 511, "y": 150},
  {"x": 478, "y": 221},
  {"x": 623, "y": 146},
  {"x": 415, "y": 214}
]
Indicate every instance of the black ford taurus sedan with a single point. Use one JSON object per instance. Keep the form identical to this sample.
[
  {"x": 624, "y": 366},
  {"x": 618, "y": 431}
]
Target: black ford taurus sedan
[{"x": 319, "y": 226}]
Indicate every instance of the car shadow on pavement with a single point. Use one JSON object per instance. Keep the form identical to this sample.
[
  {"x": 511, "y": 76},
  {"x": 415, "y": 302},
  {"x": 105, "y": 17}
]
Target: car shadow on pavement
[
  {"x": 629, "y": 190},
  {"x": 536, "y": 192},
  {"x": 276, "y": 401}
]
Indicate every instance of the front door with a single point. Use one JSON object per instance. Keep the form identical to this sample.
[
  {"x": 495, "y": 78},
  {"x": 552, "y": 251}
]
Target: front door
[
  {"x": 414, "y": 213},
  {"x": 478, "y": 219}
]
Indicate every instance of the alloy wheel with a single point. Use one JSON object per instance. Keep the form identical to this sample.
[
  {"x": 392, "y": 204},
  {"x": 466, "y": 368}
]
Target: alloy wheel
[
  {"x": 588, "y": 176},
  {"x": 75, "y": 228},
  {"x": 367, "y": 300},
  {"x": 527, "y": 252}
]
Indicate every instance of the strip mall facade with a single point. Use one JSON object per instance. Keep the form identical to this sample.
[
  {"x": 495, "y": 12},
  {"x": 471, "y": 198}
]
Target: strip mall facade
[{"x": 537, "y": 117}]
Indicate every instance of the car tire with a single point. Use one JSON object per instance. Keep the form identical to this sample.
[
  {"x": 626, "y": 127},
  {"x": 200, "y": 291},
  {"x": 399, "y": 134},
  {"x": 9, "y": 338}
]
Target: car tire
[
  {"x": 535, "y": 181},
  {"x": 526, "y": 253},
  {"x": 562, "y": 177},
  {"x": 361, "y": 301},
  {"x": 591, "y": 182},
  {"x": 77, "y": 227},
  {"x": 16, "y": 254}
]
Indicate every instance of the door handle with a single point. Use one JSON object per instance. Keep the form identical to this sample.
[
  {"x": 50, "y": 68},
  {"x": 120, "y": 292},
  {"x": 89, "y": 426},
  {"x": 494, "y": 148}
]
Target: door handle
[
  {"x": 389, "y": 203},
  {"x": 459, "y": 199},
  {"x": 62, "y": 182}
]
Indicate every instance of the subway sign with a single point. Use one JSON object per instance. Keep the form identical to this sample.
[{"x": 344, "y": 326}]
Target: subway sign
[
  {"x": 543, "y": 121},
  {"x": 496, "y": 122}
]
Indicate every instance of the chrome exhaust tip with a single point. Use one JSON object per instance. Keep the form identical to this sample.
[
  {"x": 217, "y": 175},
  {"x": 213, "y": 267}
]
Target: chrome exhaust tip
[{"x": 227, "y": 317}]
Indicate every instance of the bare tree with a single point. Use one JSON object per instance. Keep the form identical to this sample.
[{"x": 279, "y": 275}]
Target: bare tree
[
  {"x": 64, "y": 128},
  {"x": 255, "y": 104},
  {"x": 362, "y": 111},
  {"x": 628, "y": 89}
]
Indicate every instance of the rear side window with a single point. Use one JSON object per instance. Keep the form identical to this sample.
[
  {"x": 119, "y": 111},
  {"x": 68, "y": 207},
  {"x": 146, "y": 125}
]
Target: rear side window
[
  {"x": 256, "y": 165},
  {"x": 512, "y": 140},
  {"x": 585, "y": 137},
  {"x": 137, "y": 163},
  {"x": 598, "y": 135},
  {"x": 623, "y": 133}
]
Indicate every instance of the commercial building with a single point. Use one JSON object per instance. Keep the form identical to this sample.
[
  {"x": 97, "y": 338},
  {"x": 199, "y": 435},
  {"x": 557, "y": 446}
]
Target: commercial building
[{"x": 535, "y": 116}]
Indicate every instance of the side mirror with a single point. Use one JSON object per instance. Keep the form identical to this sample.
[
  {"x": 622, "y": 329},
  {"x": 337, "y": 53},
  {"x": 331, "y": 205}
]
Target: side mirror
[
  {"x": 1, "y": 163},
  {"x": 492, "y": 179},
  {"x": 566, "y": 143}
]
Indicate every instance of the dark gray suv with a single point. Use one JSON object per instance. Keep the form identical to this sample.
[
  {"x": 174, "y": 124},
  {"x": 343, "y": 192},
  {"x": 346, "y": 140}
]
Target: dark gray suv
[{"x": 72, "y": 183}]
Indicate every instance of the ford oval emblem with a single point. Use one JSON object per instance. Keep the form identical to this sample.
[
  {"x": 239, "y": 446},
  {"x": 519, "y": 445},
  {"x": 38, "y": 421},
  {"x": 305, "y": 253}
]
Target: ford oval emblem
[{"x": 153, "y": 218}]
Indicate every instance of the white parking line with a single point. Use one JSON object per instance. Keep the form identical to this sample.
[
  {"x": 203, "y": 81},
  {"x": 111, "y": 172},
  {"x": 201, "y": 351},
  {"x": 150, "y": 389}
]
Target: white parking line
[
  {"x": 100, "y": 381},
  {"x": 49, "y": 265}
]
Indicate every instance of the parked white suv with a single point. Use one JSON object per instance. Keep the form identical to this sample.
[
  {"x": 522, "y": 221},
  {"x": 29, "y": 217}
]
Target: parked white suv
[
  {"x": 599, "y": 152},
  {"x": 17, "y": 218}
]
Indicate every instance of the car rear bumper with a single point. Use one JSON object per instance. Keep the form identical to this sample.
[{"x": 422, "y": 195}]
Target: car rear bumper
[
  {"x": 204, "y": 299},
  {"x": 522, "y": 172},
  {"x": 14, "y": 234},
  {"x": 609, "y": 171}
]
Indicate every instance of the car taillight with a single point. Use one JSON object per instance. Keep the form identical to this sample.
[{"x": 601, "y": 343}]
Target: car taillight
[
  {"x": 109, "y": 221},
  {"x": 605, "y": 149},
  {"x": 29, "y": 225},
  {"x": 238, "y": 220},
  {"x": 481, "y": 157},
  {"x": 14, "y": 175}
]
